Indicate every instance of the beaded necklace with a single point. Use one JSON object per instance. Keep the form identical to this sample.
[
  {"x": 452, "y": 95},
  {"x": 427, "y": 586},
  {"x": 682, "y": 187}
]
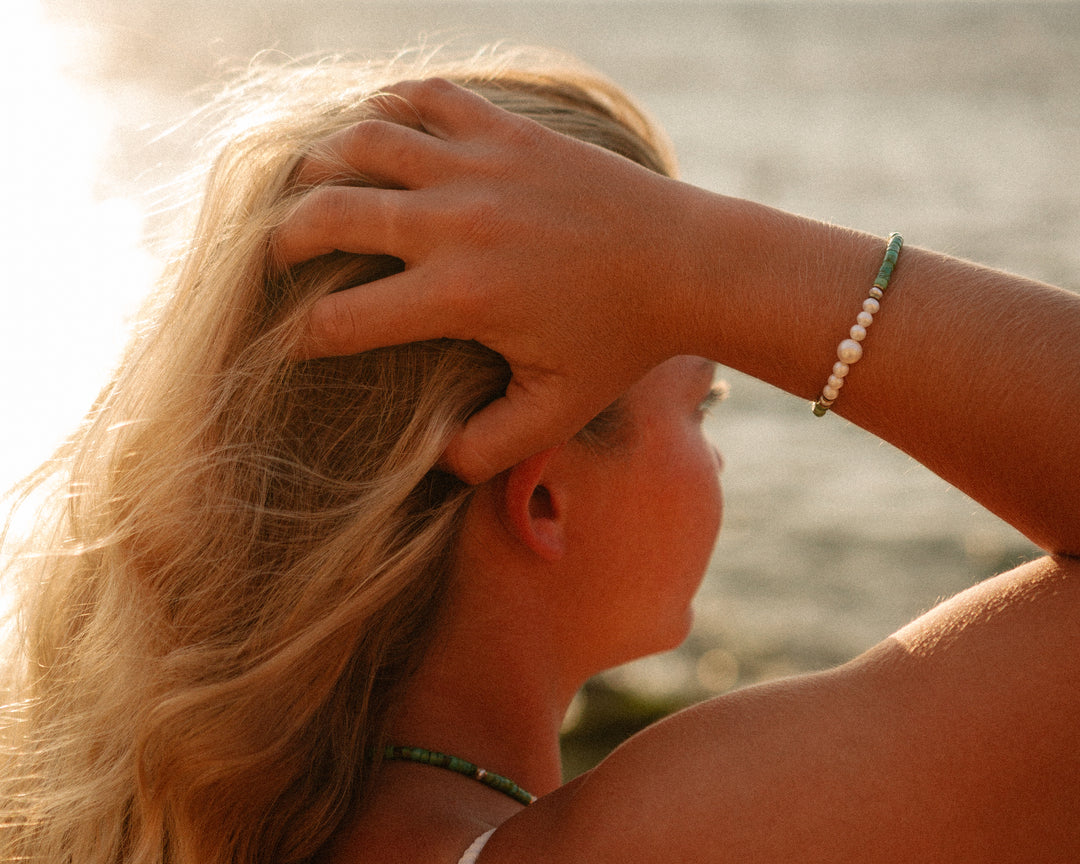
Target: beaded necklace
[{"x": 459, "y": 766}]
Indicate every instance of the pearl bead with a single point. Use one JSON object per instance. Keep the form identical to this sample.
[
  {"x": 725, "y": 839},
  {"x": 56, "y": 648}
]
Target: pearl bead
[{"x": 849, "y": 351}]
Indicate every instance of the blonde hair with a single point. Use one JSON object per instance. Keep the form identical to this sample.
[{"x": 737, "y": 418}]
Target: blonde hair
[{"x": 245, "y": 553}]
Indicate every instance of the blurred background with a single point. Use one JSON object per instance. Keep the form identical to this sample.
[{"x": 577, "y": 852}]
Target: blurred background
[{"x": 957, "y": 123}]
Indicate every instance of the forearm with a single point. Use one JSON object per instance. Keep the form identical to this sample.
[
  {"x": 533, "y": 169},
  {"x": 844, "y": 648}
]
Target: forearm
[
  {"x": 583, "y": 270},
  {"x": 973, "y": 372}
]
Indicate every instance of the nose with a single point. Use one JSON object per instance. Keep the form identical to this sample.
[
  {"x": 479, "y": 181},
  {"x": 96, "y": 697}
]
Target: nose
[{"x": 719, "y": 459}]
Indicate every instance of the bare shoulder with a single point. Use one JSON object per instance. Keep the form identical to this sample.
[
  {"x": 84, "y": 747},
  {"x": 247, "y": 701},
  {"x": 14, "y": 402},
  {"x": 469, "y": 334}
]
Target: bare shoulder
[{"x": 953, "y": 740}]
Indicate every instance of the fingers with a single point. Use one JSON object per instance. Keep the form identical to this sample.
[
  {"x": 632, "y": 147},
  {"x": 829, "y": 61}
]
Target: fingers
[
  {"x": 405, "y": 147},
  {"x": 448, "y": 110},
  {"x": 346, "y": 219},
  {"x": 383, "y": 153},
  {"x": 390, "y": 311},
  {"x": 509, "y": 430},
  {"x": 392, "y": 152}
]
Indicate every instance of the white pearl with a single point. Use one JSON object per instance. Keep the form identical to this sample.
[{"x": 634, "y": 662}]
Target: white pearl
[
  {"x": 876, "y": 293},
  {"x": 829, "y": 393},
  {"x": 840, "y": 369},
  {"x": 858, "y": 333},
  {"x": 865, "y": 319},
  {"x": 836, "y": 383},
  {"x": 849, "y": 351},
  {"x": 871, "y": 305}
]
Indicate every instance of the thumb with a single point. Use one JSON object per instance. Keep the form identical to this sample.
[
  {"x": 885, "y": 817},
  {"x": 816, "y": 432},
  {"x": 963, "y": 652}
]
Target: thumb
[{"x": 507, "y": 432}]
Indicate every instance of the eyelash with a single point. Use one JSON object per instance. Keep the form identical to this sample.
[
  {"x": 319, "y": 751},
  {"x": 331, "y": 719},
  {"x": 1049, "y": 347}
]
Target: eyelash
[{"x": 717, "y": 394}]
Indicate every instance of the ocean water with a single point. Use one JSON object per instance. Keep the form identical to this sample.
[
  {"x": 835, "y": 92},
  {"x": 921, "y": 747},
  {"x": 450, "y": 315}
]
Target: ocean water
[{"x": 956, "y": 123}]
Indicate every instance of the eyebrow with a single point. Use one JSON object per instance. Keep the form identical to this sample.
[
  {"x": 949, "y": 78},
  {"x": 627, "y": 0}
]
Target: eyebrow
[{"x": 720, "y": 390}]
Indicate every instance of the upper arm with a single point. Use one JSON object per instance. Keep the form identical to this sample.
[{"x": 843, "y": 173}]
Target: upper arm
[{"x": 952, "y": 738}]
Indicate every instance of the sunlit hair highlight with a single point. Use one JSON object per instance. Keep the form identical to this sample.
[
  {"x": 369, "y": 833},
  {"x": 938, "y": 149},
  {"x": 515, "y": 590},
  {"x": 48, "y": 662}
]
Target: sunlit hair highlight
[{"x": 245, "y": 554}]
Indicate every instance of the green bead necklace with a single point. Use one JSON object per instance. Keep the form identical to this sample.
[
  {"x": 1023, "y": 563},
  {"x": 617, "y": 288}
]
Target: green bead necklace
[{"x": 459, "y": 766}]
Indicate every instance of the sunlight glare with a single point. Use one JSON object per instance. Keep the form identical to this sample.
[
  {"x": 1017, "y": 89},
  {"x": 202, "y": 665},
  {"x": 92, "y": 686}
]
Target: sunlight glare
[{"x": 73, "y": 263}]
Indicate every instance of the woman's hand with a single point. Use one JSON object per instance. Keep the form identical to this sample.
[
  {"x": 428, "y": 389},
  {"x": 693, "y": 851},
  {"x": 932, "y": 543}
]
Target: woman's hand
[
  {"x": 555, "y": 253},
  {"x": 584, "y": 270}
]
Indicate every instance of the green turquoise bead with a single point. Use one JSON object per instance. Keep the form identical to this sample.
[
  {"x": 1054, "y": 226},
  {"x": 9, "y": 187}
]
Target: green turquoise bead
[{"x": 459, "y": 766}]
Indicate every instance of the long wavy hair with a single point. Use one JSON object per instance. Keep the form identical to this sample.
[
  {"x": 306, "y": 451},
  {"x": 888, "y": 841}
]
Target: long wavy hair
[{"x": 244, "y": 554}]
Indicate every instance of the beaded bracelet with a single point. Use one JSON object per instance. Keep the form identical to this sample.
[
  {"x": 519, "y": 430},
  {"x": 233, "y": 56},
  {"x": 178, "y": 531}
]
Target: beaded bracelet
[{"x": 850, "y": 350}]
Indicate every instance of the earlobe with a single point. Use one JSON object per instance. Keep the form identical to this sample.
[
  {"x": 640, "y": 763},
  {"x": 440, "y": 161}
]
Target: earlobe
[{"x": 532, "y": 506}]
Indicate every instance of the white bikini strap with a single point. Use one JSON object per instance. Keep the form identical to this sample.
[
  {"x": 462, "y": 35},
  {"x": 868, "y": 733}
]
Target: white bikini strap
[{"x": 473, "y": 851}]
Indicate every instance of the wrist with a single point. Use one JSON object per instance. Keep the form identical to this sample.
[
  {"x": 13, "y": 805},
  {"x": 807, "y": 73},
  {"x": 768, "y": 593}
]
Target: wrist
[{"x": 777, "y": 290}]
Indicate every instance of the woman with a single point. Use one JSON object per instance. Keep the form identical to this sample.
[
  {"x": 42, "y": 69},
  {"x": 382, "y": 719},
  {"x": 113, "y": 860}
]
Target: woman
[
  {"x": 951, "y": 741},
  {"x": 258, "y": 580}
]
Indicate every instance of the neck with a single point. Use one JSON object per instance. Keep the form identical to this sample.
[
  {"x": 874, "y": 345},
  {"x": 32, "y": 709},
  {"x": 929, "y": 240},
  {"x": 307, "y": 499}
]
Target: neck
[
  {"x": 492, "y": 689},
  {"x": 483, "y": 694}
]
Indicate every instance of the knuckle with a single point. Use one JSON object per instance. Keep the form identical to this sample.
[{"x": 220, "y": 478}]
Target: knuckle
[
  {"x": 334, "y": 324},
  {"x": 326, "y": 209},
  {"x": 519, "y": 138},
  {"x": 363, "y": 136},
  {"x": 419, "y": 95},
  {"x": 323, "y": 219},
  {"x": 436, "y": 88},
  {"x": 336, "y": 209}
]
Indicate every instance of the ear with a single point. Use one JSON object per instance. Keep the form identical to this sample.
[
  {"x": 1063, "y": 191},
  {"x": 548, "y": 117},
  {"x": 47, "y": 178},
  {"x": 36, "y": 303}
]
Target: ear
[{"x": 533, "y": 506}]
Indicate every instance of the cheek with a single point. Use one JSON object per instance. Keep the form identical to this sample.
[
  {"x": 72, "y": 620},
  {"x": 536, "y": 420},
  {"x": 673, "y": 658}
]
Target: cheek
[
  {"x": 708, "y": 516},
  {"x": 694, "y": 501},
  {"x": 710, "y": 501},
  {"x": 700, "y": 478}
]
